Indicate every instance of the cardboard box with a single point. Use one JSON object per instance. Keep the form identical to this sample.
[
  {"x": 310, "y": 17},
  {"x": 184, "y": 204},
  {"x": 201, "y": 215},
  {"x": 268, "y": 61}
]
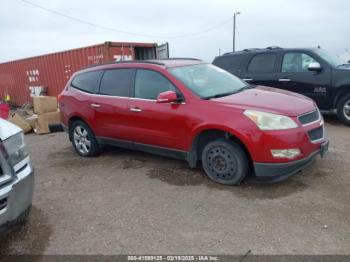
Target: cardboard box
[
  {"x": 44, "y": 104},
  {"x": 44, "y": 120},
  {"x": 41, "y": 127},
  {"x": 20, "y": 122},
  {"x": 32, "y": 120},
  {"x": 53, "y": 117}
]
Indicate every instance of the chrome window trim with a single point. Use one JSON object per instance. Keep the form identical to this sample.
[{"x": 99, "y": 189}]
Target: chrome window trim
[{"x": 123, "y": 97}]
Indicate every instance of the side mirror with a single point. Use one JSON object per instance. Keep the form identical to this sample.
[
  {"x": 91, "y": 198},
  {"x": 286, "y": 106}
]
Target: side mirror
[
  {"x": 167, "y": 97},
  {"x": 315, "y": 67}
]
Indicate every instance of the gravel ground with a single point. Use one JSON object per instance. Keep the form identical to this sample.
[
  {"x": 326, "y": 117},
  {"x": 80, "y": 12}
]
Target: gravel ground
[{"x": 126, "y": 202}]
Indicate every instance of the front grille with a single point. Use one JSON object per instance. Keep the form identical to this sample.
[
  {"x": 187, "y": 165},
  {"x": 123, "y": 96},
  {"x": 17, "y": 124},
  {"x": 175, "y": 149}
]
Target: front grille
[
  {"x": 309, "y": 117},
  {"x": 316, "y": 134}
]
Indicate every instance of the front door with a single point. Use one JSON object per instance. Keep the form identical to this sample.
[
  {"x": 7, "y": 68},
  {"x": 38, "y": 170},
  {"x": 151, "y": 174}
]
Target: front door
[
  {"x": 157, "y": 124},
  {"x": 294, "y": 76}
]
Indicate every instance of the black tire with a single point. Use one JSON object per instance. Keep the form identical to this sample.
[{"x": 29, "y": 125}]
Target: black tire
[
  {"x": 84, "y": 141},
  {"x": 342, "y": 112},
  {"x": 225, "y": 162}
]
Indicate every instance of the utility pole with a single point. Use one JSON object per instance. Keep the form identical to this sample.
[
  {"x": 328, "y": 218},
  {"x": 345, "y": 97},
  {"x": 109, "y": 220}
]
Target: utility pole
[{"x": 234, "y": 31}]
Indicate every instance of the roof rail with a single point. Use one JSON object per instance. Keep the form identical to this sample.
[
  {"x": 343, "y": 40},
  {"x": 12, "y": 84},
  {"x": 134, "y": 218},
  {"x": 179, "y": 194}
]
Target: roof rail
[
  {"x": 273, "y": 47},
  {"x": 124, "y": 62},
  {"x": 250, "y": 49},
  {"x": 141, "y": 61},
  {"x": 178, "y": 58},
  {"x": 94, "y": 65},
  {"x": 155, "y": 62},
  {"x": 244, "y": 50}
]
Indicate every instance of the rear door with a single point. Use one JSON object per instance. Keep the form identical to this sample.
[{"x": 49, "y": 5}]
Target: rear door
[
  {"x": 77, "y": 99},
  {"x": 294, "y": 76},
  {"x": 157, "y": 124},
  {"x": 111, "y": 104},
  {"x": 261, "y": 69}
]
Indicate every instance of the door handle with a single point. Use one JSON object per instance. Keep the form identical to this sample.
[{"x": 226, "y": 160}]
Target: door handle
[
  {"x": 93, "y": 105},
  {"x": 284, "y": 80},
  {"x": 247, "y": 79},
  {"x": 135, "y": 109}
]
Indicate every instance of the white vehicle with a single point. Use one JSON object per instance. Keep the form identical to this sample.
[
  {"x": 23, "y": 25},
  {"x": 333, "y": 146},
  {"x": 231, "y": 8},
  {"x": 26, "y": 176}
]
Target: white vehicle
[{"x": 16, "y": 176}]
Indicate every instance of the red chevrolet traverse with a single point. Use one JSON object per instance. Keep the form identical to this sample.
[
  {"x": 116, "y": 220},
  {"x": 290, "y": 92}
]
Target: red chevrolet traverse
[{"x": 192, "y": 110}]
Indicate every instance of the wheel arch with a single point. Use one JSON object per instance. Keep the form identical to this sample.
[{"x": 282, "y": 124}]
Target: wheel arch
[
  {"x": 345, "y": 89},
  {"x": 204, "y": 135},
  {"x": 73, "y": 119}
]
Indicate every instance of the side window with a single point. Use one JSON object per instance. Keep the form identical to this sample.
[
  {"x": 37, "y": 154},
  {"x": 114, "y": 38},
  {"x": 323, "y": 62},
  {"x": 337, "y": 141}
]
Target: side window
[
  {"x": 231, "y": 63},
  {"x": 116, "y": 82},
  {"x": 296, "y": 62},
  {"x": 263, "y": 63},
  {"x": 87, "y": 82},
  {"x": 148, "y": 84}
]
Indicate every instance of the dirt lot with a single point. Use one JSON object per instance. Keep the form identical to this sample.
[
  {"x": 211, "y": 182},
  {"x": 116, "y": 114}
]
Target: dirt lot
[{"x": 130, "y": 202}]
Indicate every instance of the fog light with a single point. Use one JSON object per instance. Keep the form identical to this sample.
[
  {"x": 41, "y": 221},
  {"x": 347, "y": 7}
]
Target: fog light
[{"x": 285, "y": 153}]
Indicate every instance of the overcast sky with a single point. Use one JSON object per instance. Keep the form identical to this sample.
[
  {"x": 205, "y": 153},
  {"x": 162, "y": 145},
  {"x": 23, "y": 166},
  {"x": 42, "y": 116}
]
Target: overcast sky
[{"x": 28, "y": 31}]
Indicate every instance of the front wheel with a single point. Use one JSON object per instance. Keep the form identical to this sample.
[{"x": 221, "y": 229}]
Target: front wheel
[
  {"x": 343, "y": 109},
  {"x": 225, "y": 162},
  {"x": 83, "y": 139}
]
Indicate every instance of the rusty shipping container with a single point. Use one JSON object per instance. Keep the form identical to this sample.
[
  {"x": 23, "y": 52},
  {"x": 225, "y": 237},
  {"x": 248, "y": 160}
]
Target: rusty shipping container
[{"x": 51, "y": 71}]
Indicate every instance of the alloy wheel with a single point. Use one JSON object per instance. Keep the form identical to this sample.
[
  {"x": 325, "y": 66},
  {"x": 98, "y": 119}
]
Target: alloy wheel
[
  {"x": 82, "y": 140},
  {"x": 346, "y": 109}
]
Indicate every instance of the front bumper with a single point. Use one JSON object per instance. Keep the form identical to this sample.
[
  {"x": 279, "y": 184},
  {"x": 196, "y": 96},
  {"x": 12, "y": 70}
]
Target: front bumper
[
  {"x": 274, "y": 172},
  {"x": 16, "y": 197}
]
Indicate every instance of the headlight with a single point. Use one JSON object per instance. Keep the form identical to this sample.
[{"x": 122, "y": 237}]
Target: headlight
[
  {"x": 16, "y": 148},
  {"x": 269, "y": 121}
]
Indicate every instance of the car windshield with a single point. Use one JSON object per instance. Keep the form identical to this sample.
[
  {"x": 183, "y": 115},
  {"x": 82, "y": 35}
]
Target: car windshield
[
  {"x": 208, "y": 81},
  {"x": 330, "y": 58}
]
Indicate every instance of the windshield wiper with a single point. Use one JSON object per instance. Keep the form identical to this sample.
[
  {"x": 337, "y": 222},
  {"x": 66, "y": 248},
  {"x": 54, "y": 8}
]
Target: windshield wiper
[
  {"x": 219, "y": 95},
  {"x": 228, "y": 93}
]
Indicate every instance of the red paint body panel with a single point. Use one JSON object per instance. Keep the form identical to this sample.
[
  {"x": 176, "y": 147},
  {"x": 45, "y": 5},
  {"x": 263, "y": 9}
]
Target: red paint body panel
[
  {"x": 175, "y": 126},
  {"x": 260, "y": 98},
  {"x": 54, "y": 70}
]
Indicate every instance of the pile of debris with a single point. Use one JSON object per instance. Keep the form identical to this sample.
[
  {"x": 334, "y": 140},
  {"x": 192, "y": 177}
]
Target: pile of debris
[{"x": 42, "y": 118}]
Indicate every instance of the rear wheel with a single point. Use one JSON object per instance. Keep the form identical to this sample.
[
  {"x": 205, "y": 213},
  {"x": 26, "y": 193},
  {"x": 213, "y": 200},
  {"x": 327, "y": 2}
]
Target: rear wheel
[
  {"x": 225, "y": 162},
  {"x": 343, "y": 109},
  {"x": 83, "y": 139}
]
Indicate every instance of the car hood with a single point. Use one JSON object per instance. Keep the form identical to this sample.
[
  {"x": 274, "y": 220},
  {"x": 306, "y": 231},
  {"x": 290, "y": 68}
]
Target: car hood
[
  {"x": 7, "y": 129},
  {"x": 270, "y": 99}
]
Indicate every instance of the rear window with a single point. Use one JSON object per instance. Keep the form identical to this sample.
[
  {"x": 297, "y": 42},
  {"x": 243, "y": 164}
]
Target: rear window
[
  {"x": 87, "y": 82},
  {"x": 116, "y": 82},
  {"x": 262, "y": 63}
]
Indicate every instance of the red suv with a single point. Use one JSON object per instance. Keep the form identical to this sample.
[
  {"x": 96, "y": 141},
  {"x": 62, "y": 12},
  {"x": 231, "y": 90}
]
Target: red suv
[{"x": 192, "y": 110}]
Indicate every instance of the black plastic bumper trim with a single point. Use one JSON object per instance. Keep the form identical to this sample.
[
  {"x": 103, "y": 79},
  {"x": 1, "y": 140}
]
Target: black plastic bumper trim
[{"x": 273, "y": 172}]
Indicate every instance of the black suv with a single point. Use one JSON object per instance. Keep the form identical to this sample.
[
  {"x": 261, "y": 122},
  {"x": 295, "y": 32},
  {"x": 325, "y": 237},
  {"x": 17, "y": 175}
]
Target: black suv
[{"x": 312, "y": 72}]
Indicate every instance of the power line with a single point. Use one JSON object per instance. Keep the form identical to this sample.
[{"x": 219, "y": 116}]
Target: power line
[{"x": 122, "y": 31}]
